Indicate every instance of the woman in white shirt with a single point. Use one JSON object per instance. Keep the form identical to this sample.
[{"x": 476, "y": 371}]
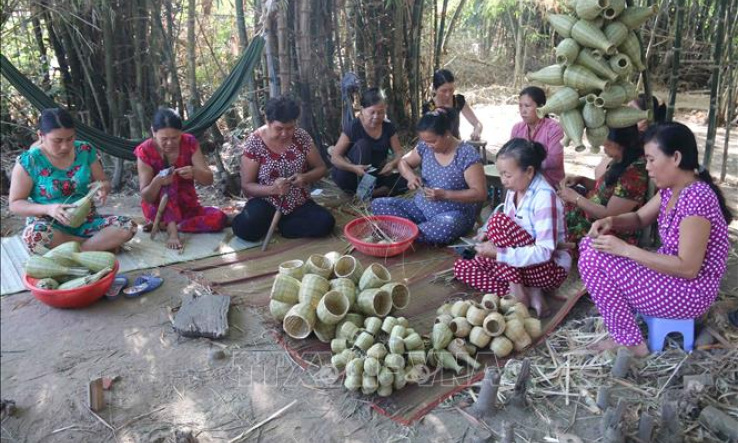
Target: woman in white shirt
[{"x": 519, "y": 254}]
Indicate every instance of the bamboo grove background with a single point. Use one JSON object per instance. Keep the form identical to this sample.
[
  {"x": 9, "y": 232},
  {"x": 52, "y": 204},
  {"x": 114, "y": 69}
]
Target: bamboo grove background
[{"x": 113, "y": 62}]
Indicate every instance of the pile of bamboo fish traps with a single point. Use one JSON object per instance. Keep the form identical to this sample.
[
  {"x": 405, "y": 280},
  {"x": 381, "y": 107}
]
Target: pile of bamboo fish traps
[
  {"x": 321, "y": 293},
  {"x": 500, "y": 324},
  {"x": 67, "y": 267},
  {"x": 595, "y": 63}
]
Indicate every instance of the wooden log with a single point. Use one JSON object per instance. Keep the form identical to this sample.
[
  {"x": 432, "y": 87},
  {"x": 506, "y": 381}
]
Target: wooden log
[
  {"x": 704, "y": 338},
  {"x": 698, "y": 382},
  {"x": 95, "y": 394},
  {"x": 7, "y": 408},
  {"x": 521, "y": 384},
  {"x": 622, "y": 363},
  {"x": 671, "y": 428},
  {"x": 508, "y": 431},
  {"x": 645, "y": 428},
  {"x": 612, "y": 430},
  {"x": 203, "y": 316},
  {"x": 486, "y": 403},
  {"x": 603, "y": 397},
  {"x": 719, "y": 423},
  {"x": 184, "y": 435},
  {"x": 483, "y": 437}
]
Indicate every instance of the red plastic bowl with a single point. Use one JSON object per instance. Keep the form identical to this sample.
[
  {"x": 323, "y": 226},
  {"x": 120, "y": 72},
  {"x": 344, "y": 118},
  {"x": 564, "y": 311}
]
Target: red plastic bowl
[
  {"x": 399, "y": 228},
  {"x": 72, "y": 298}
]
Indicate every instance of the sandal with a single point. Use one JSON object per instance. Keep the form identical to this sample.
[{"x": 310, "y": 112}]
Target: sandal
[
  {"x": 118, "y": 285},
  {"x": 142, "y": 285}
]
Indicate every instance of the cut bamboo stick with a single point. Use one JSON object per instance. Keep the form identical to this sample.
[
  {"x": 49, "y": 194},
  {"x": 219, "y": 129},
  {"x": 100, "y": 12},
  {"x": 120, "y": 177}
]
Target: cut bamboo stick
[{"x": 159, "y": 212}]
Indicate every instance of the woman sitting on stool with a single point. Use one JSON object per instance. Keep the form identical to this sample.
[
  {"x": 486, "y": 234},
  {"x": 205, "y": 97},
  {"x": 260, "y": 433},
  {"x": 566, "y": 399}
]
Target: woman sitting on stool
[
  {"x": 279, "y": 162},
  {"x": 681, "y": 279},
  {"x": 368, "y": 140}
]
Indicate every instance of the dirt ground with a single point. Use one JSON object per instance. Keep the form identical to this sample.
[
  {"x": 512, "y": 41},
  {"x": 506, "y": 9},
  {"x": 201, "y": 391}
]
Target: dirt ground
[{"x": 167, "y": 382}]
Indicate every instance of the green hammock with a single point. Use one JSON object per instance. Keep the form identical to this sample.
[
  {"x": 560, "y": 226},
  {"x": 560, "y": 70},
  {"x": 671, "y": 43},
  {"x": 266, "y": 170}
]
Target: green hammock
[{"x": 123, "y": 148}]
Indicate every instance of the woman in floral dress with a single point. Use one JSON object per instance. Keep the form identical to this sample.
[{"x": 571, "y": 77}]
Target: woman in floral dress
[
  {"x": 619, "y": 186},
  {"x": 51, "y": 175},
  {"x": 279, "y": 163}
]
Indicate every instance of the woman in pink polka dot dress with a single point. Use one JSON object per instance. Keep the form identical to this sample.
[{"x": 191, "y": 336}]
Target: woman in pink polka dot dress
[
  {"x": 682, "y": 278},
  {"x": 521, "y": 254}
]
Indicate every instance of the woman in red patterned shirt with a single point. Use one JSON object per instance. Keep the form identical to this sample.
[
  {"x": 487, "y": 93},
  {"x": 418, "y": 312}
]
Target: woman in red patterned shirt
[
  {"x": 279, "y": 163},
  {"x": 169, "y": 148}
]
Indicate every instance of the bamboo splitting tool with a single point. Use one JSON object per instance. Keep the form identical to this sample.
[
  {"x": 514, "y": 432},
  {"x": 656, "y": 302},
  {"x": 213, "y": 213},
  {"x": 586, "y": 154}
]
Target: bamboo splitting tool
[
  {"x": 162, "y": 201},
  {"x": 159, "y": 211},
  {"x": 273, "y": 226}
]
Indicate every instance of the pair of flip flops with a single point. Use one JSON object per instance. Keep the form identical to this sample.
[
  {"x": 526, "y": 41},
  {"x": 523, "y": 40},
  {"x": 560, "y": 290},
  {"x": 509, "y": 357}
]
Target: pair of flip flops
[{"x": 143, "y": 284}]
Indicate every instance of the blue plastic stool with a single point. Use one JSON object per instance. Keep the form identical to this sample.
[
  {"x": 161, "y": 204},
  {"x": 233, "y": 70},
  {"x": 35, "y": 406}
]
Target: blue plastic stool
[{"x": 659, "y": 328}]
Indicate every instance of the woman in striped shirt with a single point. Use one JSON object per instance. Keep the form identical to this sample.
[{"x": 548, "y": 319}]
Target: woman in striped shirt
[{"x": 519, "y": 254}]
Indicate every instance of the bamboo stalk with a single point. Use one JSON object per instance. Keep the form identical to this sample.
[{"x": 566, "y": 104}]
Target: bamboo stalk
[
  {"x": 677, "y": 50},
  {"x": 715, "y": 81}
]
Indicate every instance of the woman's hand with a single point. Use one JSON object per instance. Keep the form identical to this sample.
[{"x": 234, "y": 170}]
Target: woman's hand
[
  {"x": 59, "y": 212},
  {"x": 481, "y": 236},
  {"x": 571, "y": 180},
  {"x": 186, "y": 172},
  {"x": 387, "y": 169},
  {"x": 360, "y": 170},
  {"x": 415, "y": 183},
  {"x": 281, "y": 186},
  {"x": 568, "y": 195},
  {"x": 164, "y": 180},
  {"x": 298, "y": 180},
  {"x": 600, "y": 227},
  {"x": 477, "y": 132},
  {"x": 486, "y": 249},
  {"x": 434, "y": 193},
  {"x": 612, "y": 245},
  {"x": 102, "y": 193}
]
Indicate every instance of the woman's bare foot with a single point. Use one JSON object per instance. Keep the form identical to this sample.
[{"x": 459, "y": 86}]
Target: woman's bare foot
[
  {"x": 639, "y": 350},
  {"x": 538, "y": 302},
  {"x": 173, "y": 242},
  {"x": 520, "y": 292}
]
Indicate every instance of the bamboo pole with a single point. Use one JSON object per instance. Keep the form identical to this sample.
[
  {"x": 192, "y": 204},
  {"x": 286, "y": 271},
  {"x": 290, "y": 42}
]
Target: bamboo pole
[
  {"x": 716, "y": 69},
  {"x": 452, "y": 24},
  {"x": 677, "y": 48},
  {"x": 439, "y": 36}
]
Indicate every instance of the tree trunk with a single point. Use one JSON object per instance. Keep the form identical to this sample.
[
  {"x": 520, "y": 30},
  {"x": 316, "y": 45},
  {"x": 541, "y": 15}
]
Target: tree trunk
[
  {"x": 520, "y": 38},
  {"x": 172, "y": 79},
  {"x": 194, "y": 101},
  {"x": 341, "y": 55},
  {"x": 452, "y": 25},
  {"x": 243, "y": 42},
  {"x": 110, "y": 84},
  {"x": 732, "y": 102},
  {"x": 285, "y": 74},
  {"x": 674, "y": 78},
  {"x": 416, "y": 28},
  {"x": 439, "y": 36},
  {"x": 716, "y": 69},
  {"x": 398, "y": 60},
  {"x": 43, "y": 58},
  {"x": 270, "y": 46},
  {"x": 305, "y": 66}
]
